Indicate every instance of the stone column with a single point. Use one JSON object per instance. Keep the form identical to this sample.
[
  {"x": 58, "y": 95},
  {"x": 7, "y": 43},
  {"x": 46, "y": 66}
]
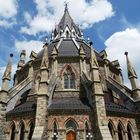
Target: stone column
[
  {"x": 2, "y": 116},
  {"x": 26, "y": 134},
  {"x": 125, "y": 136},
  {"x": 116, "y": 135}
]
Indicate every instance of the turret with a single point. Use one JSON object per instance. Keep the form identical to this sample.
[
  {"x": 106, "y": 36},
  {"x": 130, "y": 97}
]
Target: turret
[
  {"x": 7, "y": 75},
  {"x": 22, "y": 59},
  {"x": 133, "y": 79}
]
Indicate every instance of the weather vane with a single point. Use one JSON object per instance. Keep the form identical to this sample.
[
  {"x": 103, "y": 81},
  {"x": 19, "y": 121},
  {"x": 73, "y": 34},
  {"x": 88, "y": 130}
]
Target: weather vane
[{"x": 66, "y": 5}]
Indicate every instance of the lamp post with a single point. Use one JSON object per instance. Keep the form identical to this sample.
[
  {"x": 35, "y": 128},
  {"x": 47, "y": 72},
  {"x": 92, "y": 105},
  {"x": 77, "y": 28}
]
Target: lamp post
[
  {"x": 89, "y": 136},
  {"x": 55, "y": 136}
]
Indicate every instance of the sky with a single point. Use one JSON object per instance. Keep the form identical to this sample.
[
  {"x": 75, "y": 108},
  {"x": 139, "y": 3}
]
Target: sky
[{"x": 113, "y": 25}]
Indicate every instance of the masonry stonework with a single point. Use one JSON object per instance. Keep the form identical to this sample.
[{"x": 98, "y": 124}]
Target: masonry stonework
[{"x": 69, "y": 91}]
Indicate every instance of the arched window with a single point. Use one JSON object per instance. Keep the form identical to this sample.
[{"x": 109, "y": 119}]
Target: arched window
[
  {"x": 55, "y": 132},
  {"x": 69, "y": 79},
  {"x": 31, "y": 131},
  {"x": 71, "y": 125},
  {"x": 22, "y": 129},
  {"x": 120, "y": 132},
  {"x": 13, "y": 128},
  {"x": 129, "y": 132},
  {"x": 111, "y": 129}
]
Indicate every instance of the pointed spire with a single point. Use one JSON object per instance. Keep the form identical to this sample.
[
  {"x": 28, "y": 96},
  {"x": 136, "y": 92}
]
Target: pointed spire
[
  {"x": 130, "y": 68},
  {"x": 66, "y": 6},
  {"x": 54, "y": 51},
  {"x": 133, "y": 79},
  {"x": 66, "y": 23},
  {"x": 7, "y": 74},
  {"x": 94, "y": 62}
]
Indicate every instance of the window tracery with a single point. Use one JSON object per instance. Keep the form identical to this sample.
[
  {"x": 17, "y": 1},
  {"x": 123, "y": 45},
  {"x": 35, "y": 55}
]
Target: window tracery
[{"x": 69, "y": 79}]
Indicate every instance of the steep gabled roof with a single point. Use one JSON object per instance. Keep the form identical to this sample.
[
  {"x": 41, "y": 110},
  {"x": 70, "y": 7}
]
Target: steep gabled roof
[{"x": 67, "y": 21}]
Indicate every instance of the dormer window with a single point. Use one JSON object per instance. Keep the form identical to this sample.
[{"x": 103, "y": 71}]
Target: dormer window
[
  {"x": 67, "y": 34},
  {"x": 69, "y": 79}
]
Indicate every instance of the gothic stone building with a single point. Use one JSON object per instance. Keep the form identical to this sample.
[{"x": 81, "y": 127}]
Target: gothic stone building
[{"x": 69, "y": 91}]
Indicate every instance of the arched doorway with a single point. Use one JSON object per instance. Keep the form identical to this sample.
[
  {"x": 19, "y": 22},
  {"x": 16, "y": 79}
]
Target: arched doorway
[
  {"x": 71, "y": 129},
  {"x": 71, "y": 135}
]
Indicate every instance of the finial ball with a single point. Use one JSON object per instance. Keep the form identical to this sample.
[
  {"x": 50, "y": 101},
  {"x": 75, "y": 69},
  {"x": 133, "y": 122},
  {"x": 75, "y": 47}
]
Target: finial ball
[
  {"x": 11, "y": 55},
  {"x": 126, "y": 53}
]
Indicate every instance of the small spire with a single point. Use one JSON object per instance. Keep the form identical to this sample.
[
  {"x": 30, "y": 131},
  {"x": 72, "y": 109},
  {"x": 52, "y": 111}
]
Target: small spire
[
  {"x": 82, "y": 50},
  {"x": 54, "y": 51},
  {"x": 94, "y": 62},
  {"x": 133, "y": 79},
  {"x": 7, "y": 73},
  {"x": 22, "y": 59},
  {"x": 66, "y": 6},
  {"x": 130, "y": 68}
]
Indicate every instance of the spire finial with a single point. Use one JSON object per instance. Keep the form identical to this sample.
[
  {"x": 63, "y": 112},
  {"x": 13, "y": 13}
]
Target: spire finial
[
  {"x": 126, "y": 53},
  {"x": 66, "y": 5}
]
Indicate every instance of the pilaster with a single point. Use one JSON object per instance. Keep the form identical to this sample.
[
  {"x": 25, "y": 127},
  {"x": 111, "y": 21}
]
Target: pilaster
[
  {"x": 100, "y": 128},
  {"x": 42, "y": 99}
]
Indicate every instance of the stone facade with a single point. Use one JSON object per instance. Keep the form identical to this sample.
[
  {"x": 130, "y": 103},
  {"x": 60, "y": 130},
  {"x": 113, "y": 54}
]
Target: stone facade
[{"x": 68, "y": 91}]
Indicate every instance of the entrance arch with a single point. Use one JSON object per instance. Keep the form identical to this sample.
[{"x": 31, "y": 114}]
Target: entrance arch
[
  {"x": 71, "y": 129},
  {"x": 71, "y": 135}
]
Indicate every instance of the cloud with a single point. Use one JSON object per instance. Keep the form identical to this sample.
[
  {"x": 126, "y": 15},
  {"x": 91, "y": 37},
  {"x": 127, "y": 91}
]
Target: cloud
[
  {"x": 120, "y": 42},
  {"x": 8, "y": 9},
  {"x": 50, "y": 11},
  {"x": 29, "y": 46}
]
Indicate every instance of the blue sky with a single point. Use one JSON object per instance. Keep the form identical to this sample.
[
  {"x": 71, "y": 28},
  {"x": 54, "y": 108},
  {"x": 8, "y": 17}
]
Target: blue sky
[{"x": 113, "y": 25}]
